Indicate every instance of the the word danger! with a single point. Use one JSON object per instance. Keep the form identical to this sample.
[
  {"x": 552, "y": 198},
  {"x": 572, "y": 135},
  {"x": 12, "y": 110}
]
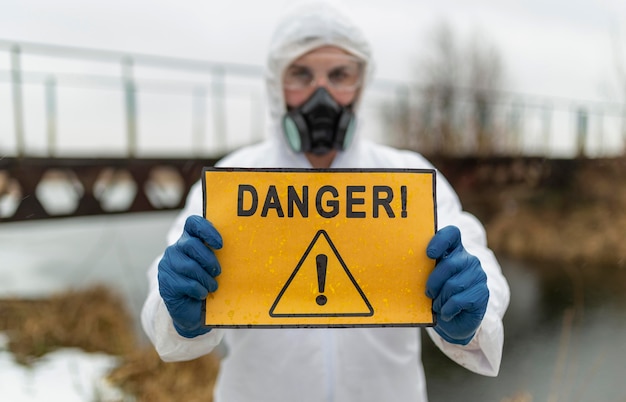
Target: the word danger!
[{"x": 326, "y": 201}]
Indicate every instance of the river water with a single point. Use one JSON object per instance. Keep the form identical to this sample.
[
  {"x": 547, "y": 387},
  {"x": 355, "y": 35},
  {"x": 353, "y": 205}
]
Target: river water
[{"x": 565, "y": 328}]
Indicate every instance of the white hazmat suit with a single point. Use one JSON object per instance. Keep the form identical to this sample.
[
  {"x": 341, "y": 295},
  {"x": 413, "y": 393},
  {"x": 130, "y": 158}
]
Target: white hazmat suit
[{"x": 343, "y": 364}]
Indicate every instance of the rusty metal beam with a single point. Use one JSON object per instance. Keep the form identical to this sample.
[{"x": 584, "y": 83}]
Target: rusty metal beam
[{"x": 29, "y": 172}]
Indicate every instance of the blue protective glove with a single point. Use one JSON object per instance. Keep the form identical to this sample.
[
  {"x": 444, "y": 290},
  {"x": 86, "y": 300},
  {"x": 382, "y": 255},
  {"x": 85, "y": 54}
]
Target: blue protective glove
[
  {"x": 458, "y": 287},
  {"x": 187, "y": 274}
]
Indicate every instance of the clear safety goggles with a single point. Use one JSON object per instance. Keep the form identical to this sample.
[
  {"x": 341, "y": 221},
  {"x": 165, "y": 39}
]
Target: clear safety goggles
[{"x": 343, "y": 73}]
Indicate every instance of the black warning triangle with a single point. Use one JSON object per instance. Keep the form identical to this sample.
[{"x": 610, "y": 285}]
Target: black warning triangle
[{"x": 321, "y": 285}]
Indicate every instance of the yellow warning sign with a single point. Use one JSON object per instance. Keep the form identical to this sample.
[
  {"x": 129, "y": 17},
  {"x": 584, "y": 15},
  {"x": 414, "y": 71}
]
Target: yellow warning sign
[{"x": 312, "y": 248}]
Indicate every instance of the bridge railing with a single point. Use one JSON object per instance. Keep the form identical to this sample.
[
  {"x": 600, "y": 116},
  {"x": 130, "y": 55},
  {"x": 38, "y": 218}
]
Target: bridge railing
[
  {"x": 69, "y": 101},
  {"x": 59, "y": 100}
]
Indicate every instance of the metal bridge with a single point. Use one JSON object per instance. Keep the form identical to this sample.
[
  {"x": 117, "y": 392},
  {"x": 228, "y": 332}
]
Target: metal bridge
[
  {"x": 87, "y": 131},
  {"x": 41, "y": 188}
]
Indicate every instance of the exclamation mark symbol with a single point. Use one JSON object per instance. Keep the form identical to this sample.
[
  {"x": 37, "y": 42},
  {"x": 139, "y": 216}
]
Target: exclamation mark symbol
[
  {"x": 403, "y": 195},
  {"x": 321, "y": 261}
]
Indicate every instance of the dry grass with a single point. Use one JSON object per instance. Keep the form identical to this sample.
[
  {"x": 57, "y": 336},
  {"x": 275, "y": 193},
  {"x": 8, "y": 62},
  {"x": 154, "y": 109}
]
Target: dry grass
[
  {"x": 592, "y": 235},
  {"x": 96, "y": 320},
  {"x": 519, "y": 397},
  {"x": 144, "y": 375},
  {"x": 93, "y": 320},
  {"x": 584, "y": 224}
]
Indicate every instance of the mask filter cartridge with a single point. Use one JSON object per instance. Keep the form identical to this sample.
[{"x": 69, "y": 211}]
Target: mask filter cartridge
[{"x": 319, "y": 125}]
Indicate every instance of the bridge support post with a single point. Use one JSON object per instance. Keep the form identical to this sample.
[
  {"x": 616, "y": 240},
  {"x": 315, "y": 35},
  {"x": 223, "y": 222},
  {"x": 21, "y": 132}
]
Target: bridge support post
[
  {"x": 131, "y": 106},
  {"x": 18, "y": 112}
]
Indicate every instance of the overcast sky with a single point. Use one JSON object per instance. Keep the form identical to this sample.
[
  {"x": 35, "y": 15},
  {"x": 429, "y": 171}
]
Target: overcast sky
[{"x": 557, "y": 47}]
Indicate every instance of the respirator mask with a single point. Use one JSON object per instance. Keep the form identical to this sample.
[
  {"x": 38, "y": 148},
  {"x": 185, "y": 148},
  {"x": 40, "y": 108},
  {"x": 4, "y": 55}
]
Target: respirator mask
[{"x": 319, "y": 125}]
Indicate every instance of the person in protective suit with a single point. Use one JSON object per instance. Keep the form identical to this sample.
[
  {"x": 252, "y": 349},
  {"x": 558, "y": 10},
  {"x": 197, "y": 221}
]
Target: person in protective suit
[{"x": 318, "y": 68}]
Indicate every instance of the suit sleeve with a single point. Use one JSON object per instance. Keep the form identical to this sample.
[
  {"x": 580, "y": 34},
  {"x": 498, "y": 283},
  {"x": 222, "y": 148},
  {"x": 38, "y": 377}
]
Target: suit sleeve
[
  {"x": 484, "y": 353},
  {"x": 155, "y": 318}
]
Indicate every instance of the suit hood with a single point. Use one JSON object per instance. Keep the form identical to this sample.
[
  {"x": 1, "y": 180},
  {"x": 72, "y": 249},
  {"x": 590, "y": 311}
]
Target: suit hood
[{"x": 303, "y": 28}]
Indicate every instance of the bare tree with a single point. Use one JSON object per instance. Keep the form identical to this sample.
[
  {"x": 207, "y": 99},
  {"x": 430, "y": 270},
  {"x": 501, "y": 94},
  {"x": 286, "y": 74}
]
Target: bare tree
[
  {"x": 453, "y": 113},
  {"x": 438, "y": 69},
  {"x": 485, "y": 76},
  {"x": 620, "y": 71}
]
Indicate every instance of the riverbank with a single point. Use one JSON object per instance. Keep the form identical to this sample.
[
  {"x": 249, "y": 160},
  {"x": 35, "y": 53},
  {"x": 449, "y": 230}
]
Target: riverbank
[{"x": 582, "y": 220}]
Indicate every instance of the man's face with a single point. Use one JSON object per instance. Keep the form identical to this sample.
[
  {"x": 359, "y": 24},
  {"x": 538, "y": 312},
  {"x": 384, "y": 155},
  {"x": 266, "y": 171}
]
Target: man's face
[{"x": 329, "y": 67}]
